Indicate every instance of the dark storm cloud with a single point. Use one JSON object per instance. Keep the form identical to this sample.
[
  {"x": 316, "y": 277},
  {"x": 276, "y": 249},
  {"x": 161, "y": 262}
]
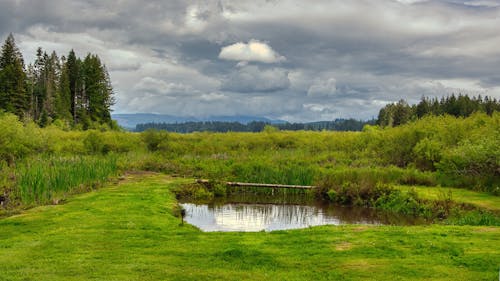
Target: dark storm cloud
[{"x": 295, "y": 60}]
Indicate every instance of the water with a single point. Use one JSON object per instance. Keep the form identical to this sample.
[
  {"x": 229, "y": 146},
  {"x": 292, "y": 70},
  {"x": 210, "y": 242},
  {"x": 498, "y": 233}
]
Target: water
[{"x": 271, "y": 216}]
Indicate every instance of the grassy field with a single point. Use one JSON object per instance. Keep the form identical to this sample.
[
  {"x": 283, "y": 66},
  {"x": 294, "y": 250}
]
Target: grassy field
[
  {"x": 126, "y": 231},
  {"x": 479, "y": 199}
]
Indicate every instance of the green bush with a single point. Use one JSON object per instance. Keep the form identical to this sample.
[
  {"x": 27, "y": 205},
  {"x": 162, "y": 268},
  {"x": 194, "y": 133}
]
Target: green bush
[
  {"x": 476, "y": 217},
  {"x": 18, "y": 140},
  {"x": 94, "y": 144},
  {"x": 474, "y": 164},
  {"x": 154, "y": 139}
]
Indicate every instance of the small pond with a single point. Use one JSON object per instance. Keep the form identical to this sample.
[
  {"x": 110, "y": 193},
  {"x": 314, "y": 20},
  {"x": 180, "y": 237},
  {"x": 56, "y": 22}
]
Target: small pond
[{"x": 231, "y": 215}]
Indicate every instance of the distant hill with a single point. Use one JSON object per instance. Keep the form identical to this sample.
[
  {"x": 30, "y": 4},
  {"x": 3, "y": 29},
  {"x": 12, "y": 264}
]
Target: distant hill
[
  {"x": 129, "y": 121},
  {"x": 254, "y": 126}
]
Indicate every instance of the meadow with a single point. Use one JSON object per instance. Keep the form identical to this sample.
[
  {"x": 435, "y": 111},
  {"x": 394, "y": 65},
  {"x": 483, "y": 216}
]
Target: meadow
[
  {"x": 127, "y": 231},
  {"x": 123, "y": 226},
  {"x": 40, "y": 165}
]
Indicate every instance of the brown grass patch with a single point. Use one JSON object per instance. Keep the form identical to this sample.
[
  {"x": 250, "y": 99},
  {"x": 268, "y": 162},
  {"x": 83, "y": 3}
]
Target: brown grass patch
[
  {"x": 360, "y": 228},
  {"x": 343, "y": 246},
  {"x": 358, "y": 264},
  {"x": 487, "y": 229}
]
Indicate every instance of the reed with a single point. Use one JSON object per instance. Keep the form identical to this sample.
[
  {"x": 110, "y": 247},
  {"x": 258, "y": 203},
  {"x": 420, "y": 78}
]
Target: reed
[{"x": 41, "y": 180}]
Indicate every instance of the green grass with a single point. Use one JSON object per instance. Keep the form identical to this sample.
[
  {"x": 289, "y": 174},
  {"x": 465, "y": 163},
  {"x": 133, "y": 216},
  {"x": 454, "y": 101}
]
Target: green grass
[
  {"x": 126, "y": 231},
  {"x": 41, "y": 180},
  {"x": 479, "y": 199}
]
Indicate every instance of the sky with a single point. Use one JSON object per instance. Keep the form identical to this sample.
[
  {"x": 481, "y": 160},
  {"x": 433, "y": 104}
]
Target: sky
[{"x": 293, "y": 60}]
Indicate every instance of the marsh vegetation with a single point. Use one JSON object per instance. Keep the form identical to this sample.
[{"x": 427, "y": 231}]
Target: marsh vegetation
[{"x": 40, "y": 165}]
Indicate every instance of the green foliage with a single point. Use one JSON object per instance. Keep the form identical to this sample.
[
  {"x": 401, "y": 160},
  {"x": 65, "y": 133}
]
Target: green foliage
[
  {"x": 476, "y": 217},
  {"x": 18, "y": 140},
  {"x": 408, "y": 202},
  {"x": 267, "y": 173},
  {"x": 270, "y": 129},
  {"x": 255, "y": 126},
  {"x": 435, "y": 150},
  {"x": 128, "y": 232},
  {"x": 395, "y": 114},
  {"x": 13, "y": 96},
  {"x": 409, "y": 154},
  {"x": 474, "y": 163},
  {"x": 98, "y": 96},
  {"x": 399, "y": 113},
  {"x": 41, "y": 180},
  {"x": 219, "y": 190},
  {"x": 94, "y": 144},
  {"x": 427, "y": 152},
  {"x": 155, "y": 140},
  {"x": 54, "y": 88},
  {"x": 195, "y": 191}
]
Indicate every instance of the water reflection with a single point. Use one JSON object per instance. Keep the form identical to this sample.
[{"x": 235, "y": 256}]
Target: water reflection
[{"x": 269, "y": 217}]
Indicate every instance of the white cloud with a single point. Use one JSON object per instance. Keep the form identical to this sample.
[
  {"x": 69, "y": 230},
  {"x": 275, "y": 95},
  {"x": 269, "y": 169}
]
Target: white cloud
[
  {"x": 411, "y": 1},
  {"x": 323, "y": 88},
  {"x": 253, "y": 51},
  {"x": 212, "y": 97},
  {"x": 486, "y": 3}
]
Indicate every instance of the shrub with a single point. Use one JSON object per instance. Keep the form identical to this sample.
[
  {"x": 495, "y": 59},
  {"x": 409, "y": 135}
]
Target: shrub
[
  {"x": 154, "y": 139},
  {"x": 473, "y": 164},
  {"x": 475, "y": 217},
  {"x": 94, "y": 144}
]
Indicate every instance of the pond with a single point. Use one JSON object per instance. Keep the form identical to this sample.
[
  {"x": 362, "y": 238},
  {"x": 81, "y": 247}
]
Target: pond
[{"x": 230, "y": 215}]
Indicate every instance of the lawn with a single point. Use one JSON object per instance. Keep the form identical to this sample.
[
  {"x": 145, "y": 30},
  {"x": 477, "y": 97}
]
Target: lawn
[
  {"x": 126, "y": 231},
  {"x": 479, "y": 199}
]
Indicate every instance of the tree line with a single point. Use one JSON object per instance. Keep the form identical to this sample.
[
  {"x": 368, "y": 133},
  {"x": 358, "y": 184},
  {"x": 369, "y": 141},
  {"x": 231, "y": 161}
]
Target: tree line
[
  {"x": 255, "y": 126},
  {"x": 67, "y": 89},
  {"x": 401, "y": 112}
]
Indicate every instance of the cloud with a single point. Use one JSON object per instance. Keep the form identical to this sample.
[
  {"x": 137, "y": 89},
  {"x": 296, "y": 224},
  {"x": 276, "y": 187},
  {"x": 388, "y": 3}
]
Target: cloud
[
  {"x": 343, "y": 58},
  {"x": 251, "y": 79},
  {"x": 486, "y": 3},
  {"x": 323, "y": 88},
  {"x": 211, "y": 97},
  {"x": 411, "y": 1},
  {"x": 253, "y": 51}
]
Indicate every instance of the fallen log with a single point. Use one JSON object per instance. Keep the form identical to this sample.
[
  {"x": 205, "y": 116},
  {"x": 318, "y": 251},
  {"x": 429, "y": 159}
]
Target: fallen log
[{"x": 266, "y": 185}]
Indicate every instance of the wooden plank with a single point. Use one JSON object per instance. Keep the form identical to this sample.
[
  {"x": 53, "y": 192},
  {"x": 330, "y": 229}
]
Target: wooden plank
[{"x": 266, "y": 185}]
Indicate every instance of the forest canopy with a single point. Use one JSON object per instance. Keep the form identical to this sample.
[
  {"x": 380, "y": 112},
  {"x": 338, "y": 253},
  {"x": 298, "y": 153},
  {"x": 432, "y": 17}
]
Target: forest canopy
[
  {"x": 255, "y": 126},
  {"x": 401, "y": 112},
  {"x": 66, "y": 90}
]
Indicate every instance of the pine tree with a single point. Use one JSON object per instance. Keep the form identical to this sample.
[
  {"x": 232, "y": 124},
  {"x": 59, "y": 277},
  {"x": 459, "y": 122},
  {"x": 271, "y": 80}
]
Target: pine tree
[
  {"x": 63, "y": 95},
  {"x": 423, "y": 108},
  {"x": 98, "y": 90},
  {"x": 37, "y": 80},
  {"x": 66, "y": 89},
  {"x": 13, "y": 94},
  {"x": 73, "y": 69}
]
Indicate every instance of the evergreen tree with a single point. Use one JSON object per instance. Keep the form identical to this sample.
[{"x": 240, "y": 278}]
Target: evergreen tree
[
  {"x": 63, "y": 96},
  {"x": 13, "y": 94},
  {"x": 395, "y": 114},
  {"x": 52, "y": 88},
  {"x": 73, "y": 70},
  {"x": 423, "y": 108},
  {"x": 98, "y": 90}
]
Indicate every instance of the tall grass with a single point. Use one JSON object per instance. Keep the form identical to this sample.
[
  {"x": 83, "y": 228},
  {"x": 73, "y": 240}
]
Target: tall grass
[
  {"x": 438, "y": 150},
  {"x": 267, "y": 173},
  {"x": 44, "y": 179}
]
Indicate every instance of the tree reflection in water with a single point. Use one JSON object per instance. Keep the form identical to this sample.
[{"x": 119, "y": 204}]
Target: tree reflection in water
[{"x": 271, "y": 216}]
